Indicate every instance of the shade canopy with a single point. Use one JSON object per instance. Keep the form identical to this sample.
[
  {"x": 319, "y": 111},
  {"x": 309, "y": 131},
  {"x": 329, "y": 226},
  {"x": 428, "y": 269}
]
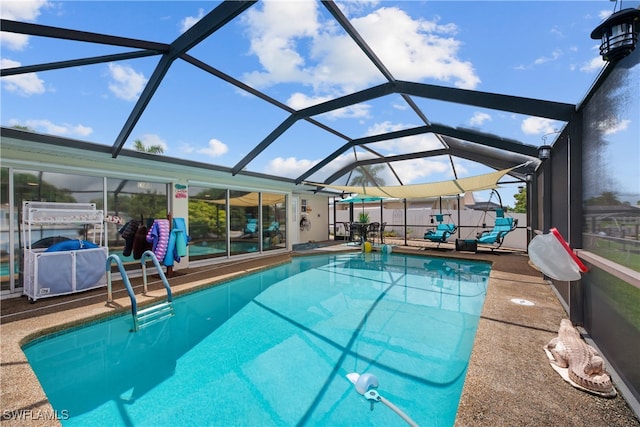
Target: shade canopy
[
  {"x": 251, "y": 199},
  {"x": 433, "y": 189}
]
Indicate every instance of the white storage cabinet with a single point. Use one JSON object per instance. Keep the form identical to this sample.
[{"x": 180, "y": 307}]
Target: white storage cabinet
[{"x": 50, "y": 273}]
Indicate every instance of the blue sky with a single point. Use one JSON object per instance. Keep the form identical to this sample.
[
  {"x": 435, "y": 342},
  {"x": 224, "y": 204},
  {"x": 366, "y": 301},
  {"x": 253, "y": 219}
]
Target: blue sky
[{"x": 296, "y": 53}]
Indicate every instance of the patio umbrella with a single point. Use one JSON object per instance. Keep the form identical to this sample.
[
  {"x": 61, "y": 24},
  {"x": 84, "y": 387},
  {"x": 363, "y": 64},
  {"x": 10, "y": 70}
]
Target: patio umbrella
[{"x": 362, "y": 198}]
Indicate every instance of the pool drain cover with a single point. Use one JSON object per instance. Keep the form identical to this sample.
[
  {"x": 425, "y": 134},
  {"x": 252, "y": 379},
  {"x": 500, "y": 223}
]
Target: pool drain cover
[{"x": 521, "y": 301}]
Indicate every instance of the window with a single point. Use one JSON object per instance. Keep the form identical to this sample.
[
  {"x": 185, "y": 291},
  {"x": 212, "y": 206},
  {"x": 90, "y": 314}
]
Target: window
[
  {"x": 207, "y": 222},
  {"x": 131, "y": 199}
]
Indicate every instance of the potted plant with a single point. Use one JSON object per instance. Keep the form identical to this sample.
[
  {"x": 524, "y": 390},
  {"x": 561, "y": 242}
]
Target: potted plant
[{"x": 363, "y": 218}]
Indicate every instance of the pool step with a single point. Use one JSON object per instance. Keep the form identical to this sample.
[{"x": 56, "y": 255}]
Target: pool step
[{"x": 155, "y": 313}]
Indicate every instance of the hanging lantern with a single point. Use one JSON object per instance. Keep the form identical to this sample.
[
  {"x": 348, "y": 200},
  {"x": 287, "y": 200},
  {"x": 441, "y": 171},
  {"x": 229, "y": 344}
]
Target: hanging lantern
[
  {"x": 544, "y": 152},
  {"x": 618, "y": 34}
]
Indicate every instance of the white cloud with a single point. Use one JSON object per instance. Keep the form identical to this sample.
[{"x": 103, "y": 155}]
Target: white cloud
[
  {"x": 409, "y": 171},
  {"x": 48, "y": 127},
  {"x": 557, "y": 53},
  {"x": 24, "y": 84},
  {"x": 275, "y": 44},
  {"x": 416, "y": 49},
  {"x": 81, "y": 130},
  {"x": 604, "y": 14},
  {"x": 189, "y": 21},
  {"x": 13, "y": 41},
  {"x": 479, "y": 118},
  {"x": 289, "y": 167},
  {"x": 407, "y": 144},
  {"x": 554, "y": 56},
  {"x": 417, "y": 170},
  {"x": 556, "y": 31},
  {"x": 186, "y": 148},
  {"x": 612, "y": 125},
  {"x": 126, "y": 83},
  {"x": 299, "y": 101},
  {"x": 356, "y": 6},
  {"x": 352, "y": 111},
  {"x": 539, "y": 126},
  {"x": 413, "y": 49},
  {"x": 214, "y": 149},
  {"x": 595, "y": 64},
  {"x": 23, "y": 10}
]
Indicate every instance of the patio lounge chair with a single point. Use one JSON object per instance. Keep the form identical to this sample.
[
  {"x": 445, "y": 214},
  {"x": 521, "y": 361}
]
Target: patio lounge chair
[
  {"x": 274, "y": 228},
  {"x": 502, "y": 227},
  {"x": 442, "y": 232},
  {"x": 251, "y": 228},
  {"x": 271, "y": 235}
]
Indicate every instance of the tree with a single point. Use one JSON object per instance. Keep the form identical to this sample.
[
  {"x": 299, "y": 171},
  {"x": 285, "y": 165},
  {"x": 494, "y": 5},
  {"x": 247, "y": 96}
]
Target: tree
[
  {"x": 521, "y": 200},
  {"x": 31, "y": 187},
  {"x": 149, "y": 204},
  {"x": 607, "y": 198},
  {"x": 368, "y": 175},
  {"x": 152, "y": 149},
  {"x": 205, "y": 218}
]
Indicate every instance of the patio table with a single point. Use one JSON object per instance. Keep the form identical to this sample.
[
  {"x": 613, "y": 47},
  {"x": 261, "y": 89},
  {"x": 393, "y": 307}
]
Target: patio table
[{"x": 362, "y": 228}]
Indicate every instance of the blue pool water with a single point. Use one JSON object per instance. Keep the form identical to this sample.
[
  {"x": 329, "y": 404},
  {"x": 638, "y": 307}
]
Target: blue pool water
[{"x": 274, "y": 348}]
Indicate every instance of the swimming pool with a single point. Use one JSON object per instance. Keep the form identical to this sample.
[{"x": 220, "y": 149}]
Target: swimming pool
[{"x": 274, "y": 348}]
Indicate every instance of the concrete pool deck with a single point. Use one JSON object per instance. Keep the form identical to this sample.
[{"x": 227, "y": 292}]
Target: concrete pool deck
[{"x": 509, "y": 381}]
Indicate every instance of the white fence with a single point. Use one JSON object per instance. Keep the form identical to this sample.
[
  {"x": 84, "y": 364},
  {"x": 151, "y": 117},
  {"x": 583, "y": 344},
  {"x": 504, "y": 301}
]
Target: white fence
[{"x": 418, "y": 222}]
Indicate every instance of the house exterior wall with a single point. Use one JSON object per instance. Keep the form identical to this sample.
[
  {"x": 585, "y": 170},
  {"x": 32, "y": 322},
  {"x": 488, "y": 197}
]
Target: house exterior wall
[{"x": 35, "y": 153}]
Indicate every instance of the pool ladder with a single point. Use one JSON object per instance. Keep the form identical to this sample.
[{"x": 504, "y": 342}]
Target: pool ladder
[{"x": 149, "y": 315}]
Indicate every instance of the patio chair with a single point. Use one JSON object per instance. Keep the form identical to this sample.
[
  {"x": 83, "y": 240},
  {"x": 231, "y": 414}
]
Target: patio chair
[
  {"x": 373, "y": 231},
  {"x": 348, "y": 230},
  {"x": 382, "y": 227},
  {"x": 251, "y": 228},
  {"x": 272, "y": 230},
  {"x": 502, "y": 227},
  {"x": 274, "y": 226},
  {"x": 442, "y": 232},
  {"x": 271, "y": 235}
]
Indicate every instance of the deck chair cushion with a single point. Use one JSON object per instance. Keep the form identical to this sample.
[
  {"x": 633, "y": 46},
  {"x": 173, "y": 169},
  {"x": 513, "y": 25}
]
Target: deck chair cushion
[{"x": 252, "y": 225}]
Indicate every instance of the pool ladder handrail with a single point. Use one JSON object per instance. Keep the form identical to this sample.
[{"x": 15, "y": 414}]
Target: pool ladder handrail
[{"x": 149, "y": 315}]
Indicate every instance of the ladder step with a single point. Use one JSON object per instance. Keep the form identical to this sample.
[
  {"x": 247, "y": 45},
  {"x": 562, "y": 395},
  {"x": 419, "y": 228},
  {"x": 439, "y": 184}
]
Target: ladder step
[
  {"x": 153, "y": 314},
  {"x": 153, "y": 321},
  {"x": 154, "y": 308}
]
